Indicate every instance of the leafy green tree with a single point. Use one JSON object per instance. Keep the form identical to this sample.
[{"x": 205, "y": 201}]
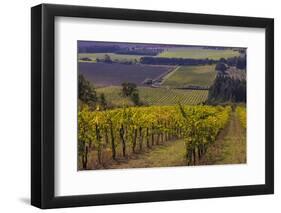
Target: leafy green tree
[
  {"x": 86, "y": 91},
  {"x": 223, "y": 60},
  {"x": 135, "y": 98},
  {"x": 107, "y": 59},
  {"x": 103, "y": 101},
  {"x": 241, "y": 63},
  {"x": 221, "y": 67},
  {"x": 128, "y": 88},
  {"x": 226, "y": 89}
]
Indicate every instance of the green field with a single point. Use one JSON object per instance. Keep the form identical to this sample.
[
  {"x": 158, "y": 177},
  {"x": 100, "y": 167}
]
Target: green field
[
  {"x": 198, "y": 53},
  {"x": 155, "y": 96},
  {"x": 195, "y": 53},
  {"x": 113, "y": 56},
  {"x": 192, "y": 75}
]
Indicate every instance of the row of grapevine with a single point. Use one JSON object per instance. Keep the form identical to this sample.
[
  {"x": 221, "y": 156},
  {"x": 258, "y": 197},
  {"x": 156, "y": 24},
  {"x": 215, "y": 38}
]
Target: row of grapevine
[
  {"x": 242, "y": 115},
  {"x": 155, "y": 96},
  {"x": 163, "y": 96},
  {"x": 200, "y": 129},
  {"x": 137, "y": 127}
]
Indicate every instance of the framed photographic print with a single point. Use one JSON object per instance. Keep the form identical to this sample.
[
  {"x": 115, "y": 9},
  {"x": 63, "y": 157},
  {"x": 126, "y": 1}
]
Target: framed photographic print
[{"x": 139, "y": 106}]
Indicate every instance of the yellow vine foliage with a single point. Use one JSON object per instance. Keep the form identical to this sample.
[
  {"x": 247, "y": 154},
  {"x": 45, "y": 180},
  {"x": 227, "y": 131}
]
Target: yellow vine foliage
[
  {"x": 198, "y": 126},
  {"x": 242, "y": 115}
]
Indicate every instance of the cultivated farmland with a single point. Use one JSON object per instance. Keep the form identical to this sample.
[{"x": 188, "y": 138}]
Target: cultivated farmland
[
  {"x": 104, "y": 74},
  {"x": 163, "y": 96},
  {"x": 155, "y": 105},
  {"x": 192, "y": 75},
  {"x": 155, "y": 96},
  {"x": 113, "y": 56},
  {"x": 198, "y": 53}
]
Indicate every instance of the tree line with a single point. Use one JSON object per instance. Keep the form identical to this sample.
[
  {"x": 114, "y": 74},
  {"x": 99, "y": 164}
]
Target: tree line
[
  {"x": 239, "y": 62},
  {"x": 175, "y": 61},
  {"x": 226, "y": 88}
]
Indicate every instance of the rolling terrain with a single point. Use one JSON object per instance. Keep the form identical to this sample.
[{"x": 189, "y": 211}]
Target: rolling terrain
[
  {"x": 156, "y": 105},
  {"x": 192, "y": 75},
  {"x": 155, "y": 96},
  {"x": 107, "y": 74}
]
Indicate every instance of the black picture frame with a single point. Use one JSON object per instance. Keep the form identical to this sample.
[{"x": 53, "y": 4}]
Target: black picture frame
[{"x": 43, "y": 102}]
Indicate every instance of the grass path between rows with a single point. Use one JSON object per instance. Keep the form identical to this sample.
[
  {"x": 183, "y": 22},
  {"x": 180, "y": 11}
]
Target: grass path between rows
[
  {"x": 229, "y": 148},
  {"x": 169, "y": 154}
]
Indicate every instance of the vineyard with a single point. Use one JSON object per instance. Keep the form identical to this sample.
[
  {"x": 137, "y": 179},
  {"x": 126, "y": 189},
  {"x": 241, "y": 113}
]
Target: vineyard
[
  {"x": 160, "y": 105},
  {"x": 122, "y": 132},
  {"x": 155, "y": 96},
  {"x": 162, "y": 96},
  {"x": 242, "y": 115}
]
